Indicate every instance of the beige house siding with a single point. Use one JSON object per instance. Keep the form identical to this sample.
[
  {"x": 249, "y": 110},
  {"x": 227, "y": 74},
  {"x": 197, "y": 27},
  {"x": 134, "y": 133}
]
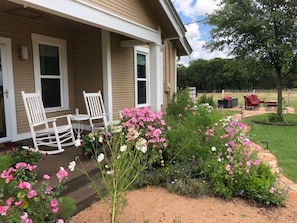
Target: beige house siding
[
  {"x": 134, "y": 10},
  {"x": 169, "y": 60},
  {"x": 122, "y": 60},
  {"x": 19, "y": 30},
  {"x": 87, "y": 64}
]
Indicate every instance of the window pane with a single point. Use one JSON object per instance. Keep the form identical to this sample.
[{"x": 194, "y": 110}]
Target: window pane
[
  {"x": 49, "y": 60},
  {"x": 141, "y": 92},
  {"x": 141, "y": 66},
  {"x": 51, "y": 95}
]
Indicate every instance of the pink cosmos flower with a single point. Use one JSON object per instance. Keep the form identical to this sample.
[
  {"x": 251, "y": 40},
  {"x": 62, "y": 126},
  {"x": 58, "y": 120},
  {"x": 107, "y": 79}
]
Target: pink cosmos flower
[
  {"x": 231, "y": 143},
  {"x": 6, "y": 174},
  {"x": 248, "y": 163},
  {"x": 17, "y": 203},
  {"x": 54, "y": 205},
  {"x": 48, "y": 189},
  {"x": 23, "y": 185},
  {"x": 21, "y": 165},
  {"x": 241, "y": 125},
  {"x": 62, "y": 173},
  {"x": 46, "y": 177},
  {"x": 228, "y": 167},
  {"x": 31, "y": 167},
  {"x": 3, "y": 210},
  {"x": 257, "y": 162},
  {"x": 272, "y": 190},
  {"x": 60, "y": 221},
  {"x": 9, "y": 201},
  {"x": 229, "y": 150},
  {"x": 31, "y": 193},
  {"x": 24, "y": 217}
]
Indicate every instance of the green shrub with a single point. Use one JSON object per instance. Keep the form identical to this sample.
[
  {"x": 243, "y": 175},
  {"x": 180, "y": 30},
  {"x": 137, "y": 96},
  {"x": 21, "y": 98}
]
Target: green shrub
[
  {"x": 180, "y": 104},
  {"x": 204, "y": 99},
  {"x": 233, "y": 170}
]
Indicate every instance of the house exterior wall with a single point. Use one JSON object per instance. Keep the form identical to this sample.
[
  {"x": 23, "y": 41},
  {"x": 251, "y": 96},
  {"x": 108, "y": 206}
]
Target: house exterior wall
[
  {"x": 123, "y": 83},
  {"x": 169, "y": 72},
  {"x": 85, "y": 54},
  {"x": 133, "y": 10},
  {"x": 87, "y": 64},
  {"x": 19, "y": 30}
]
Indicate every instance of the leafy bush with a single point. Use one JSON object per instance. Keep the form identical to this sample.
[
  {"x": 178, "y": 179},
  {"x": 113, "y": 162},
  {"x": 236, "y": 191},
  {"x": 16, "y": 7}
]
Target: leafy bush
[
  {"x": 208, "y": 155},
  {"x": 139, "y": 125},
  {"x": 181, "y": 104},
  {"x": 23, "y": 154},
  {"x": 233, "y": 170},
  {"x": 275, "y": 118},
  {"x": 22, "y": 196},
  {"x": 204, "y": 99}
]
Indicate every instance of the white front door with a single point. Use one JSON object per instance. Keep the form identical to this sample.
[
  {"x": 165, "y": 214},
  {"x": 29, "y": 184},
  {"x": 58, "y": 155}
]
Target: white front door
[{"x": 6, "y": 91}]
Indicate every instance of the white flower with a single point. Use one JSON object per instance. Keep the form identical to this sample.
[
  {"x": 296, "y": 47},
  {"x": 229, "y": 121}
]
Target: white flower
[
  {"x": 123, "y": 148},
  {"x": 92, "y": 139},
  {"x": 141, "y": 145},
  {"x": 100, "y": 157},
  {"x": 219, "y": 159},
  {"x": 72, "y": 165},
  {"x": 143, "y": 149},
  {"x": 110, "y": 172},
  {"x": 26, "y": 147},
  {"x": 213, "y": 148},
  {"x": 77, "y": 143},
  {"x": 101, "y": 138}
]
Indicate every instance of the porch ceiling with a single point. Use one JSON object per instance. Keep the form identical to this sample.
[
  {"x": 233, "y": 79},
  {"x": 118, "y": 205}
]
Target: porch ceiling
[{"x": 34, "y": 14}]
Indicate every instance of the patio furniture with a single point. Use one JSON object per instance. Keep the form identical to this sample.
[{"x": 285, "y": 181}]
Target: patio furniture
[
  {"x": 228, "y": 102},
  {"x": 252, "y": 101},
  {"x": 78, "y": 118},
  {"x": 45, "y": 131},
  {"x": 270, "y": 104},
  {"x": 96, "y": 111}
]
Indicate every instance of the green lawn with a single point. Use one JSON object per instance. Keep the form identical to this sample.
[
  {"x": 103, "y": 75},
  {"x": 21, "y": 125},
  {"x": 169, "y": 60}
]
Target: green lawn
[{"x": 281, "y": 142}]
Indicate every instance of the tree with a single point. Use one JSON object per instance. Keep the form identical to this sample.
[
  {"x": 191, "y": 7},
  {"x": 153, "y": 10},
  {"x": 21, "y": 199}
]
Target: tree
[{"x": 265, "y": 30}]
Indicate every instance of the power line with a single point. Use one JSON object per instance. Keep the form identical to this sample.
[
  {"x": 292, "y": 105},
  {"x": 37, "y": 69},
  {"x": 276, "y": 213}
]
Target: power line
[{"x": 198, "y": 21}]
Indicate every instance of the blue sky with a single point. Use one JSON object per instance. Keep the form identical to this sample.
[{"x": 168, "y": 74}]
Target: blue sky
[{"x": 192, "y": 12}]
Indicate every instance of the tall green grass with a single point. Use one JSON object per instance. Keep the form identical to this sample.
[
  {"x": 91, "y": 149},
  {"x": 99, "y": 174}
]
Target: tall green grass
[{"x": 281, "y": 142}]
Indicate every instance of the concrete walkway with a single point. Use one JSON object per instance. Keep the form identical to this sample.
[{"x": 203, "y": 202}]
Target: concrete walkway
[{"x": 268, "y": 157}]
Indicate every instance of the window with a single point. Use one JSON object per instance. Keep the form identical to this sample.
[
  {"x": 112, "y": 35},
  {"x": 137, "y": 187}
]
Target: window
[
  {"x": 50, "y": 70},
  {"x": 141, "y": 76}
]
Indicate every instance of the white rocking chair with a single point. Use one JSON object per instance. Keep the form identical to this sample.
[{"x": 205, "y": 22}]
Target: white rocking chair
[
  {"x": 45, "y": 131},
  {"x": 96, "y": 111}
]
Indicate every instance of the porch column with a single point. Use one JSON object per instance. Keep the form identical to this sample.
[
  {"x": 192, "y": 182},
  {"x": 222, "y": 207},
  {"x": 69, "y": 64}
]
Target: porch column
[
  {"x": 106, "y": 72},
  {"x": 155, "y": 77}
]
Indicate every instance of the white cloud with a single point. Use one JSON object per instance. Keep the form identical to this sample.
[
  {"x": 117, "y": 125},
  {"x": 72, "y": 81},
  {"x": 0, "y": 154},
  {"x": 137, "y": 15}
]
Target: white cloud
[
  {"x": 194, "y": 8},
  {"x": 190, "y": 10}
]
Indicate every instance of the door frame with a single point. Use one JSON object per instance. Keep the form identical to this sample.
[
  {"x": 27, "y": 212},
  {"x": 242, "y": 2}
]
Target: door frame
[{"x": 8, "y": 84}]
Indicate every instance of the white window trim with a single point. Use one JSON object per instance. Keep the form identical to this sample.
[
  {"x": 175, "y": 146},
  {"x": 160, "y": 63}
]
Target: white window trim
[
  {"x": 61, "y": 43},
  {"x": 145, "y": 51}
]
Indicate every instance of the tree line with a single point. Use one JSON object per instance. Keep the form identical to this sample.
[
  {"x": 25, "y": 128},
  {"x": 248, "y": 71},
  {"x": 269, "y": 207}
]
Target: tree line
[{"x": 231, "y": 74}]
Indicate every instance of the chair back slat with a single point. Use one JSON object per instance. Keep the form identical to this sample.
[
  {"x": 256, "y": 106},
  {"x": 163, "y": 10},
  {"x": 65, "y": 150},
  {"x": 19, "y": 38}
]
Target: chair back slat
[
  {"x": 34, "y": 107},
  {"x": 94, "y": 104}
]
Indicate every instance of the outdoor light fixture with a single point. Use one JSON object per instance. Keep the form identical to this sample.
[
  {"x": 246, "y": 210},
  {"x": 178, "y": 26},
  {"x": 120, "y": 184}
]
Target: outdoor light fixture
[
  {"x": 265, "y": 142},
  {"x": 23, "y": 52}
]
